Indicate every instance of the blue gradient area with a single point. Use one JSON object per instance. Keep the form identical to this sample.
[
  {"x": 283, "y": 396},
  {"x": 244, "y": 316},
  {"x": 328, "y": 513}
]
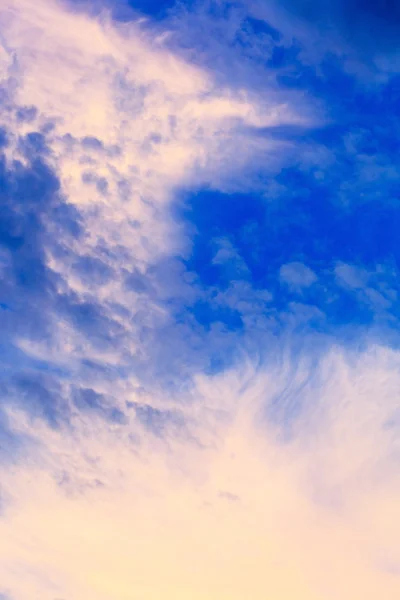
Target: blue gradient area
[
  {"x": 365, "y": 25},
  {"x": 307, "y": 225},
  {"x": 355, "y": 20},
  {"x": 125, "y": 10}
]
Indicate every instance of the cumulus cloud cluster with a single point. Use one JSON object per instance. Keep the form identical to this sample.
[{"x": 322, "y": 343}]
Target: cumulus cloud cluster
[{"x": 121, "y": 122}]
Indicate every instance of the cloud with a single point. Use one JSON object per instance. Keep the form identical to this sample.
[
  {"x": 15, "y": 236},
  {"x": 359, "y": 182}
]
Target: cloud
[
  {"x": 199, "y": 310},
  {"x": 297, "y": 275},
  {"x": 105, "y": 133},
  {"x": 316, "y": 514}
]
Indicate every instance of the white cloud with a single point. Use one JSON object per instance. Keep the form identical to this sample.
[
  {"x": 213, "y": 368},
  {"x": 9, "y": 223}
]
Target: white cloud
[
  {"x": 373, "y": 288},
  {"x": 297, "y": 275},
  {"x": 128, "y": 122},
  {"x": 316, "y": 515},
  {"x": 351, "y": 276}
]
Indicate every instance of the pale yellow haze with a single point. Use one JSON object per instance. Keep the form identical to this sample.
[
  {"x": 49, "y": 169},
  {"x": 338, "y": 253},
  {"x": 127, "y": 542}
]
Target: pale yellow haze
[{"x": 244, "y": 516}]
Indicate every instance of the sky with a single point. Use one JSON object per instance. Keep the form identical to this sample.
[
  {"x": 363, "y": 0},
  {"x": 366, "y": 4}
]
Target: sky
[{"x": 199, "y": 300}]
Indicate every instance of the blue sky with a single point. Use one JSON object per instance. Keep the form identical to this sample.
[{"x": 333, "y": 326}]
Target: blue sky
[{"x": 199, "y": 267}]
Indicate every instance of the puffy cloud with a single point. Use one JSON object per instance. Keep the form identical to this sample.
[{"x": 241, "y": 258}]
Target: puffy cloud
[
  {"x": 110, "y": 123},
  {"x": 297, "y": 275}
]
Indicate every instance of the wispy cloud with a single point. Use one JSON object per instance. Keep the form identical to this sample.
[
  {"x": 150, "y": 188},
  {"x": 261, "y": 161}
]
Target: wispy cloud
[{"x": 96, "y": 513}]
